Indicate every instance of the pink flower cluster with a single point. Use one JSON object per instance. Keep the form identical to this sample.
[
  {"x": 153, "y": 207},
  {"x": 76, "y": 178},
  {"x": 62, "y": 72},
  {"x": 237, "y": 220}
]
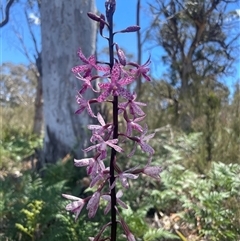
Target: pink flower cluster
[{"x": 113, "y": 79}]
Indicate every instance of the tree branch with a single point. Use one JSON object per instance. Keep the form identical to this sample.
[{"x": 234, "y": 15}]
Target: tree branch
[
  {"x": 31, "y": 33},
  {"x": 7, "y": 10}
]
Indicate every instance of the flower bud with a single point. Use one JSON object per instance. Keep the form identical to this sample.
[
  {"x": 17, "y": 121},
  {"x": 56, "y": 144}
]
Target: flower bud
[
  {"x": 152, "y": 171},
  {"x": 93, "y": 16},
  {"x": 93, "y": 204},
  {"x": 102, "y": 23},
  {"x": 121, "y": 55},
  {"x": 130, "y": 29}
]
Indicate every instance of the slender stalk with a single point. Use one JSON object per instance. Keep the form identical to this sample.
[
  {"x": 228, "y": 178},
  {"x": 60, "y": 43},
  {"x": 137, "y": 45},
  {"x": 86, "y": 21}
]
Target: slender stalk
[
  {"x": 115, "y": 135},
  {"x": 112, "y": 178}
]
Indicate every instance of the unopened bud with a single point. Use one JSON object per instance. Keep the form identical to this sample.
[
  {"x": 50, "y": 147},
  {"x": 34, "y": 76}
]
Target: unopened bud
[
  {"x": 102, "y": 23},
  {"x": 93, "y": 16},
  {"x": 130, "y": 29},
  {"x": 121, "y": 55},
  {"x": 152, "y": 171}
]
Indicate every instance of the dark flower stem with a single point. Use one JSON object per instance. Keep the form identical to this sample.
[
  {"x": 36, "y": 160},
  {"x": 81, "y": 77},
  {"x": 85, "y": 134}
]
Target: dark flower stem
[{"x": 115, "y": 135}]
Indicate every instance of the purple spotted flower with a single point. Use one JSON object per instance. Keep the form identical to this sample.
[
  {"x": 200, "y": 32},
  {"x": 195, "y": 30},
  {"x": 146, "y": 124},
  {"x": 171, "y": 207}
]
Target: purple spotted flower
[
  {"x": 121, "y": 55},
  {"x": 123, "y": 176},
  {"x": 99, "y": 129},
  {"x": 102, "y": 146},
  {"x": 87, "y": 83},
  {"x": 108, "y": 198},
  {"x": 141, "y": 141},
  {"x": 100, "y": 177},
  {"x": 89, "y": 64},
  {"x": 84, "y": 104},
  {"x": 115, "y": 87},
  {"x": 93, "y": 165},
  {"x": 152, "y": 171},
  {"x": 93, "y": 204},
  {"x": 76, "y": 206},
  {"x": 132, "y": 124},
  {"x": 141, "y": 70},
  {"x": 134, "y": 106}
]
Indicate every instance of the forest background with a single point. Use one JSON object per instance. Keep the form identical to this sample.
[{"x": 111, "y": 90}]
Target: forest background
[{"x": 193, "y": 107}]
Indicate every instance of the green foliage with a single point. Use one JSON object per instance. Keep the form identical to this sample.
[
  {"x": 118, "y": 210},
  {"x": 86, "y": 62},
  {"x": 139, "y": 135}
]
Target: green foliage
[
  {"x": 136, "y": 219},
  {"x": 32, "y": 208},
  {"x": 156, "y": 234},
  {"x": 209, "y": 202},
  {"x": 206, "y": 204},
  {"x": 30, "y": 226},
  {"x": 17, "y": 145},
  {"x": 18, "y": 84}
]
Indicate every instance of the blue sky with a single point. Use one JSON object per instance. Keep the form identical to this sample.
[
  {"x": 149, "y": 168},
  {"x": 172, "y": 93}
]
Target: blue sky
[{"x": 125, "y": 15}]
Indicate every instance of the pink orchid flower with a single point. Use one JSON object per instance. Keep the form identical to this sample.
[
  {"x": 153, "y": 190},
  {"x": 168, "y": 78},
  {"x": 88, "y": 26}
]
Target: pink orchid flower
[
  {"x": 86, "y": 83},
  {"x": 89, "y": 64},
  {"x": 115, "y": 87},
  {"x": 93, "y": 204},
  {"x": 141, "y": 141},
  {"x": 76, "y": 206},
  {"x": 102, "y": 146},
  {"x": 120, "y": 202},
  {"x": 134, "y": 108},
  {"x": 84, "y": 104},
  {"x": 94, "y": 165},
  {"x": 132, "y": 124},
  {"x": 141, "y": 70},
  {"x": 152, "y": 171},
  {"x": 99, "y": 129}
]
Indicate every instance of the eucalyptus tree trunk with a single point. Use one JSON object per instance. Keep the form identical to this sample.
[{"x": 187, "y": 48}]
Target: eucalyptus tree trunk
[
  {"x": 38, "y": 111},
  {"x": 65, "y": 28},
  {"x": 38, "y": 103}
]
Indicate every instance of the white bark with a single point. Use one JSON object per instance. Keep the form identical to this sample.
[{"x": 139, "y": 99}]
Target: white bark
[
  {"x": 38, "y": 111},
  {"x": 65, "y": 28}
]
